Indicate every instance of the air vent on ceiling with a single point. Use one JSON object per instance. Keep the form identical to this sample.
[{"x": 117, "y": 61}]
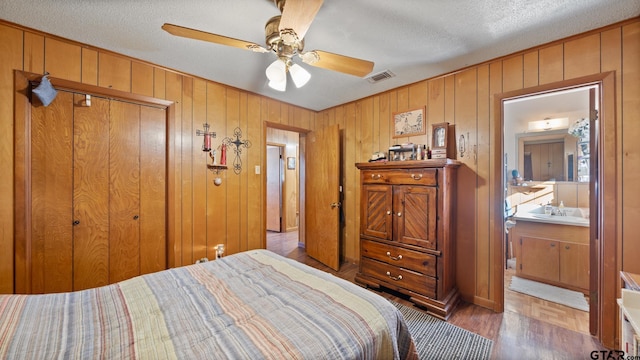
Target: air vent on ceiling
[{"x": 380, "y": 76}]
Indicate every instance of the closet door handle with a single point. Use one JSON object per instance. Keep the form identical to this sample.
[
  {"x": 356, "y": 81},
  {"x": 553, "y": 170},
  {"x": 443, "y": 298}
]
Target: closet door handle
[
  {"x": 135, "y": 217},
  {"x": 76, "y": 222}
]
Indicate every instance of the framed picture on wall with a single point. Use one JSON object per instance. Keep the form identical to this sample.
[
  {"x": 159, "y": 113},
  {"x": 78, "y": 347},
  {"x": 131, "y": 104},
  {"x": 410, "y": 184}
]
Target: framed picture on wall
[{"x": 409, "y": 123}]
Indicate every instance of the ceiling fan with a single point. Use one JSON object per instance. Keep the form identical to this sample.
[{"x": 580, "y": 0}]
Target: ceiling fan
[{"x": 284, "y": 36}]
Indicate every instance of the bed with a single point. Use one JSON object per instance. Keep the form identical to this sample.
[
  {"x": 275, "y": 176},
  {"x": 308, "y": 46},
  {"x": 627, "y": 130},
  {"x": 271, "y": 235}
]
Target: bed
[{"x": 250, "y": 305}]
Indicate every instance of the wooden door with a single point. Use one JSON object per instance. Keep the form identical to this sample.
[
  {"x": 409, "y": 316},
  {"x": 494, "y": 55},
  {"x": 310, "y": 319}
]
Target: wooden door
[
  {"x": 153, "y": 185},
  {"x": 538, "y": 258},
  {"x": 376, "y": 219},
  {"x": 274, "y": 188},
  {"x": 90, "y": 193},
  {"x": 51, "y": 196},
  {"x": 415, "y": 215},
  {"x": 124, "y": 187},
  {"x": 322, "y": 182}
]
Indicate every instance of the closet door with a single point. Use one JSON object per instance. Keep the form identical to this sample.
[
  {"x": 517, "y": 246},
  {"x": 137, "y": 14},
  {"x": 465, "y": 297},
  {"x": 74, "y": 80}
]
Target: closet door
[
  {"x": 124, "y": 204},
  {"x": 153, "y": 175},
  {"x": 51, "y": 196},
  {"x": 90, "y": 193}
]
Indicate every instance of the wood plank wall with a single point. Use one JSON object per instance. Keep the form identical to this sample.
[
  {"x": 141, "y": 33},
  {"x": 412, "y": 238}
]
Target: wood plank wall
[
  {"x": 204, "y": 214},
  {"x": 465, "y": 98}
]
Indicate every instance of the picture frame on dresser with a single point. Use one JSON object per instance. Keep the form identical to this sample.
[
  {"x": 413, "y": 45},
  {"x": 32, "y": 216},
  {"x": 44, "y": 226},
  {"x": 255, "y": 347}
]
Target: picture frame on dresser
[
  {"x": 409, "y": 123},
  {"x": 439, "y": 140}
]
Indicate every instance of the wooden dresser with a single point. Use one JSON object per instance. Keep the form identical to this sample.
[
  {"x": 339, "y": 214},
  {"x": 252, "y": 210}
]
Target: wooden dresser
[{"x": 407, "y": 233}]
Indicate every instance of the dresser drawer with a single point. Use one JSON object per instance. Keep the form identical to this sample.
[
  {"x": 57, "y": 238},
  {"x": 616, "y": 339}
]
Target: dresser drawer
[
  {"x": 397, "y": 256},
  {"x": 407, "y": 279},
  {"x": 407, "y": 177}
]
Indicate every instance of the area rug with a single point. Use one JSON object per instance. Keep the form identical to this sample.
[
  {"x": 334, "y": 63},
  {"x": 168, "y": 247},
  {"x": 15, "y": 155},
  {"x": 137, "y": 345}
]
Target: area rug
[
  {"x": 551, "y": 293},
  {"x": 437, "y": 339}
]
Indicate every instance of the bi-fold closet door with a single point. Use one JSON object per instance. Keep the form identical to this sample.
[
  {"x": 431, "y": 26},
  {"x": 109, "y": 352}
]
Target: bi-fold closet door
[{"x": 98, "y": 192}]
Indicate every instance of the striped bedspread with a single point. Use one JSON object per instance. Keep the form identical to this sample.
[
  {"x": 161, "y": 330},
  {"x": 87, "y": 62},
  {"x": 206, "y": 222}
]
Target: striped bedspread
[{"x": 252, "y": 305}]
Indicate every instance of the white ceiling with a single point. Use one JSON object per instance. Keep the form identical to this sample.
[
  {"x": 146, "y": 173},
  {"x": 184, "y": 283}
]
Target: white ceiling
[{"x": 414, "y": 39}]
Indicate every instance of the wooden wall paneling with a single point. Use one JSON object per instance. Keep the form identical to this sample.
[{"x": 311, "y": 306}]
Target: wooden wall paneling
[
  {"x": 550, "y": 60},
  {"x": 385, "y": 127},
  {"x": 192, "y": 157},
  {"x": 153, "y": 203},
  {"x": 351, "y": 175},
  {"x": 33, "y": 53},
  {"x": 366, "y": 121},
  {"x": 233, "y": 181},
  {"x": 124, "y": 202},
  {"x": 196, "y": 177},
  {"x": 11, "y": 57},
  {"x": 479, "y": 149},
  {"x": 376, "y": 122},
  {"x": 159, "y": 83},
  {"x": 256, "y": 236},
  {"x": 141, "y": 78},
  {"x": 496, "y": 187},
  {"x": 582, "y": 56},
  {"x": 51, "y": 163},
  {"x": 217, "y": 195},
  {"x": 631, "y": 145},
  {"x": 530, "y": 69},
  {"x": 435, "y": 105},
  {"x": 62, "y": 59},
  {"x": 114, "y": 72},
  {"x": 449, "y": 100},
  {"x": 89, "y": 72},
  {"x": 512, "y": 70},
  {"x": 467, "y": 248},
  {"x": 417, "y": 99},
  {"x": 243, "y": 177},
  {"x": 90, "y": 193},
  {"x": 170, "y": 85}
]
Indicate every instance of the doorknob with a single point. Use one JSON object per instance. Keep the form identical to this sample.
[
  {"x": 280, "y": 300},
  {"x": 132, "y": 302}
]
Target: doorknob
[
  {"x": 335, "y": 204},
  {"x": 76, "y": 222}
]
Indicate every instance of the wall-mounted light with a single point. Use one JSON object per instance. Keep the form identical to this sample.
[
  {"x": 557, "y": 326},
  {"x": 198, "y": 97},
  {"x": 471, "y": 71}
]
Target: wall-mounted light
[{"x": 549, "y": 124}]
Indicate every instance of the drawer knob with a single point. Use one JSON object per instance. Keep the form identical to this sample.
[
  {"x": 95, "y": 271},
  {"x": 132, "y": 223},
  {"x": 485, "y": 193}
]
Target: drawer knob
[
  {"x": 388, "y": 212},
  {"x": 399, "y": 214},
  {"x": 396, "y": 258},
  {"x": 376, "y": 176},
  {"x": 416, "y": 177},
  {"x": 396, "y": 278}
]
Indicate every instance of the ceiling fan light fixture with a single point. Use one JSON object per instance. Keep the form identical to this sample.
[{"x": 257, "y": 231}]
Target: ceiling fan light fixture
[
  {"x": 277, "y": 71},
  {"x": 299, "y": 75},
  {"x": 278, "y": 85}
]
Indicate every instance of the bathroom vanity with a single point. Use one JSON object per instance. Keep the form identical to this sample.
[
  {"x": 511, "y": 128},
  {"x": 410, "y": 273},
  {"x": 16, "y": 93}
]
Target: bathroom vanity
[{"x": 553, "y": 249}]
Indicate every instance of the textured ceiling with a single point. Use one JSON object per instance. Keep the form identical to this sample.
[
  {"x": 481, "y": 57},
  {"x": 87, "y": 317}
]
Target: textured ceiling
[{"x": 415, "y": 40}]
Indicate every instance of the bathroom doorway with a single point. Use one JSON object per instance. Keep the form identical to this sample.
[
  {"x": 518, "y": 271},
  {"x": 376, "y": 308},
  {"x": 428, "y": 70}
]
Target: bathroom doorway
[{"x": 547, "y": 198}]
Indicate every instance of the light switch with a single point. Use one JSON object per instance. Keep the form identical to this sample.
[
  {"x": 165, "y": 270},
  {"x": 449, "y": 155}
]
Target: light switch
[{"x": 257, "y": 169}]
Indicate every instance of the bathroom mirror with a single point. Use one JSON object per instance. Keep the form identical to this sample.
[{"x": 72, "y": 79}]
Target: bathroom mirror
[{"x": 536, "y": 138}]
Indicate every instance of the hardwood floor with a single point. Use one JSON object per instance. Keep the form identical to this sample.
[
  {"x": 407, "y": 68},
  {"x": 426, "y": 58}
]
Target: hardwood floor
[{"x": 552, "y": 335}]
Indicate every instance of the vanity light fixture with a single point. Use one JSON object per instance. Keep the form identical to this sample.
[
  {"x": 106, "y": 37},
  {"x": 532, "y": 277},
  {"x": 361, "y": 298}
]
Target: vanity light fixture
[{"x": 549, "y": 124}]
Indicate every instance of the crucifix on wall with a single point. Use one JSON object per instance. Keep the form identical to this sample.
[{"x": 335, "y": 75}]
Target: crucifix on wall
[{"x": 239, "y": 144}]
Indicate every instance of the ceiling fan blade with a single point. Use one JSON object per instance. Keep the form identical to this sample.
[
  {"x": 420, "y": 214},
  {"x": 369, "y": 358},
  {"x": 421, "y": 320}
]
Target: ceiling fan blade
[
  {"x": 298, "y": 15},
  {"x": 214, "y": 38},
  {"x": 341, "y": 63}
]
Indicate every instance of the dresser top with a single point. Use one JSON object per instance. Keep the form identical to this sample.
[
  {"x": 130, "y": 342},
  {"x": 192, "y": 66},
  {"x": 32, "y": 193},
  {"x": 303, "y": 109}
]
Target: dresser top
[{"x": 409, "y": 164}]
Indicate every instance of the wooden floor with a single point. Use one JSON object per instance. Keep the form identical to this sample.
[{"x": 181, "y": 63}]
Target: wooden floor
[{"x": 529, "y": 328}]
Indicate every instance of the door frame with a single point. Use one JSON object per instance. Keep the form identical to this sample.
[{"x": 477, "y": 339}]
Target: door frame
[
  {"x": 604, "y": 274},
  {"x": 301, "y": 177},
  {"x": 22, "y": 85}
]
